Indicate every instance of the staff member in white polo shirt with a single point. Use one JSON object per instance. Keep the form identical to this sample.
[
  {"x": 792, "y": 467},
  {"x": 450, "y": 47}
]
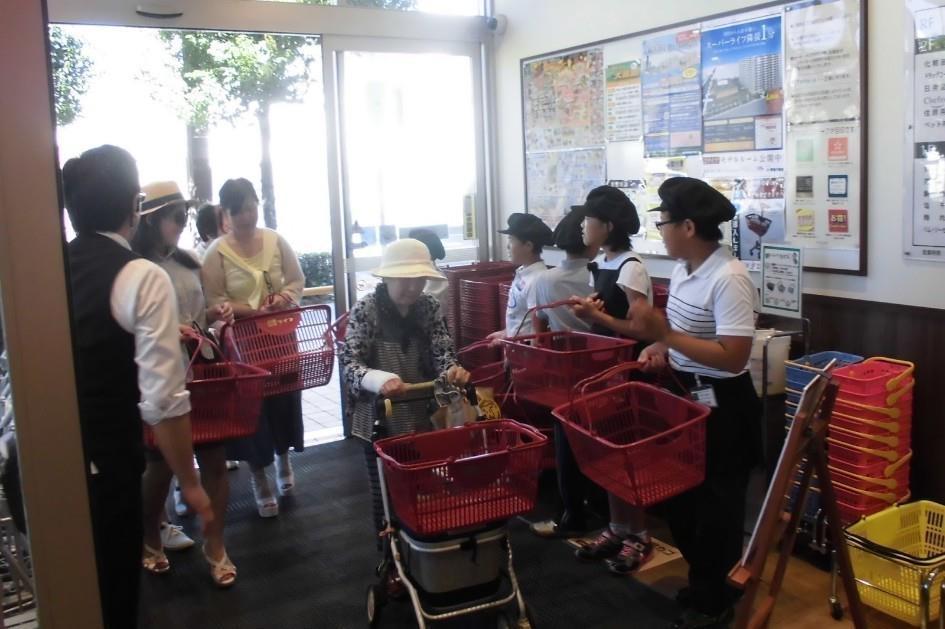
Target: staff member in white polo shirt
[
  {"x": 707, "y": 342},
  {"x": 528, "y": 235}
]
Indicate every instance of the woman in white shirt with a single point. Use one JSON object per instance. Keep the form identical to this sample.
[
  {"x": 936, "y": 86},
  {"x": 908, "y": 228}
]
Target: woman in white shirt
[
  {"x": 164, "y": 215},
  {"x": 707, "y": 342},
  {"x": 256, "y": 271}
]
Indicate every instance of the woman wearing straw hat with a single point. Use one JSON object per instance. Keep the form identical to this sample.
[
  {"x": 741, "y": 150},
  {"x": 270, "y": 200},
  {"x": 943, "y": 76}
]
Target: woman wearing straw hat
[
  {"x": 163, "y": 217},
  {"x": 396, "y": 336}
]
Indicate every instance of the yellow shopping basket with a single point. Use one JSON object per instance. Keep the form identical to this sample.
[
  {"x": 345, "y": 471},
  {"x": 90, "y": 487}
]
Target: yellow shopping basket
[{"x": 898, "y": 558}]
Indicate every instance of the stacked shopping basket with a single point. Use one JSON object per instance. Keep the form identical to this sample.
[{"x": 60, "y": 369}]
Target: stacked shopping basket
[
  {"x": 492, "y": 272},
  {"x": 870, "y": 429}
]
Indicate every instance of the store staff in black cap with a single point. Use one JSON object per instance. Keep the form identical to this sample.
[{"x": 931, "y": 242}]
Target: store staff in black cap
[
  {"x": 707, "y": 342},
  {"x": 528, "y": 235}
]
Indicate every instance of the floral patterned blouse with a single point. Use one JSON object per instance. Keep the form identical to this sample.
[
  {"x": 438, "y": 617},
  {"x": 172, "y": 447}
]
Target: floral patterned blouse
[{"x": 421, "y": 333}]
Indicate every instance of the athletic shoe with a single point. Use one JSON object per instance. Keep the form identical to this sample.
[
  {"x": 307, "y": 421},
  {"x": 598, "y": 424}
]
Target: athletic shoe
[
  {"x": 633, "y": 555},
  {"x": 174, "y": 538},
  {"x": 608, "y": 544}
]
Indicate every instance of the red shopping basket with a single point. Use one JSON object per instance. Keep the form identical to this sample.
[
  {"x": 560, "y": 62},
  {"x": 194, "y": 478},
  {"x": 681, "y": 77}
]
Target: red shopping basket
[
  {"x": 479, "y": 309},
  {"x": 874, "y": 376},
  {"x": 546, "y": 366},
  {"x": 504, "y": 289},
  {"x": 499, "y": 270},
  {"x": 460, "y": 478},
  {"x": 640, "y": 443},
  {"x": 225, "y": 400},
  {"x": 479, "y": 354},
  {"x": 296, "y": 346}
]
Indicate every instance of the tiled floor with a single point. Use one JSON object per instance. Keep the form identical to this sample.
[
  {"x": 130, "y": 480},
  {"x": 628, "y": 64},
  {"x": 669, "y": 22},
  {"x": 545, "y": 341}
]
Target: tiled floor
[{"x": 321, "y": 413}]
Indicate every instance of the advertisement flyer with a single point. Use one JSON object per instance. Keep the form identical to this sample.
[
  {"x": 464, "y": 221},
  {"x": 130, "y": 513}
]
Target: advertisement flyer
[
  {"x": 925, "y": 233},
  {"x": 743, "y": 91},
  {"x": 624, "y": 105},
  {"x": 822, "y": 61},
  {"x": 563, "y": 100},
  {"x": 781, "y": 280},
  {"x": 823, "y": 187},
  {"x": 556, "y": 180},
  {"x": 672, "y": 95}
]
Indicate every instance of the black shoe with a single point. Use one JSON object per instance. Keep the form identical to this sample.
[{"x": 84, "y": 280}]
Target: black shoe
[
  {"x": 634, "y": 554},
  {"x": 692, "y": 619}
]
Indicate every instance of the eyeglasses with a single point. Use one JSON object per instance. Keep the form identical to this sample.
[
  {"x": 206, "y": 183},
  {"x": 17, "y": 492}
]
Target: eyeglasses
[
  {"x": 139, "y": 201},
  {"x": 660, "y": 224}
]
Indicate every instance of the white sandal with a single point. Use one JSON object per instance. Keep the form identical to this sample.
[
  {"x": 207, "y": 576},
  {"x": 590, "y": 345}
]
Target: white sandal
[
  {"x": 223, "y": 572},
  {"x": 266, "y": 503},
  {"x": 284, "y": 475},
  {"x": 154, "y": 561}
]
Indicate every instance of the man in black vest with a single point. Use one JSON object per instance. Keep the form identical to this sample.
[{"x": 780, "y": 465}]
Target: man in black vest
[{"x": 129, "y": 368}]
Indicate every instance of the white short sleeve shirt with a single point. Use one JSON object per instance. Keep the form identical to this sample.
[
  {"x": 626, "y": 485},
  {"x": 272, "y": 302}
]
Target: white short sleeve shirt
[
  {"x": 718, "y": 299},
  {"x": 521, "y": 299},
  {"x": 633, "y": 275}
]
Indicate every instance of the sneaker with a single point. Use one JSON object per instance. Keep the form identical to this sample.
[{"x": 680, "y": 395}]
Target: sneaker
[
  {"x": 174, "y": 538},
  {"x": 551, "y": 528},
  {"x": 633, "y": 555},
  {"x": 608, "y": 544},
  {"x": 181, "y": 508},
  {"x": 232, "y": 465},
  {"x": 692, "y": 619}
]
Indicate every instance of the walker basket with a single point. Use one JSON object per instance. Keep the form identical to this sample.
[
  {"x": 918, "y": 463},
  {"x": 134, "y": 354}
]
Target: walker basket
[
  {"x": 641, "y": 443},
  {"x": 296, "y": 346},
  {"x": 894, "y": 552},
  {"x": 225, "y": 402},
  {"x": 459, "y": 478}
]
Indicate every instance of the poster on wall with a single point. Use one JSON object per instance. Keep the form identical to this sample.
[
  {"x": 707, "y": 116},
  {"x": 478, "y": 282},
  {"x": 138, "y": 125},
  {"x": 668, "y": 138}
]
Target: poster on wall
[
  {"x": 782, "y": 280},
  {"x": 743, "y": 91},
  {"x": 924, "y": 220},
  {"x": 672, "y": 95},
  {"x": 559, "y": 179},
  {"x": 624, "y": 111}
]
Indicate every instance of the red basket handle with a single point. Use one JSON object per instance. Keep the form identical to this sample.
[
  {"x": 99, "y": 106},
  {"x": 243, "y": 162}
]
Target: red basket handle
[
  {"x": 473, "y": 346},
  {"x": 533, "y": 311}
]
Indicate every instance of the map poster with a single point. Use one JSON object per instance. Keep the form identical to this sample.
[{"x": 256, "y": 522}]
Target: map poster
[
  {"x": 743, "y": 91},
  {"x": 556, "y": 180},
  {"x": 672, "y": 95},
  {"x": 624, "y": 107},
  {"x": 564, "y": 101}
]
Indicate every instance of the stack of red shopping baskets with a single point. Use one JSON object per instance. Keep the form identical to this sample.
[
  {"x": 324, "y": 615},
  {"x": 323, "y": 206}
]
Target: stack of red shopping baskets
[
  {"x": 479, "y": 314},
  {"x": 870, "y": 436},
  {"x": 870, "y": 431},
  {"x": 504, "y": 288},
  {"x": 500, "y": 271}
]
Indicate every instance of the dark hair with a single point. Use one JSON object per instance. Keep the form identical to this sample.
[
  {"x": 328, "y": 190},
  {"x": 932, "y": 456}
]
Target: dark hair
[
  {"x": 234, "y": 193},
  {"x": 707, "y": 229},
  {"x": 208, "y": 227},
  {"x": 148, "y": 242},
  {"x": 619, "y": 238},
  {"x": 536, "y": 248},
  {"x": 431, "y": 240},
  {"x": 99, "y": 188}
]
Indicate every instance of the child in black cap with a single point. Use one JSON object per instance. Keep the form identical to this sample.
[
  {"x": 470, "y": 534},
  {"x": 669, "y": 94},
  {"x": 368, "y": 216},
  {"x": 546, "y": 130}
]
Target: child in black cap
[
  {"x": 438, "y": 288},
  {"x": 528, "y": 235},
  {"x": 707, "y": 342}
]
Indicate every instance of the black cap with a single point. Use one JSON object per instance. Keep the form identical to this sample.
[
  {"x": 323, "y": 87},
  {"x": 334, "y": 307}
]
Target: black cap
[
  {"x": 528, "y": 227},
  {"x": 431, "y": 240},
  {"x": 568, "y": 234},
  {"x": 686, "y": 197},
  {"x": 611, "y": 205}
]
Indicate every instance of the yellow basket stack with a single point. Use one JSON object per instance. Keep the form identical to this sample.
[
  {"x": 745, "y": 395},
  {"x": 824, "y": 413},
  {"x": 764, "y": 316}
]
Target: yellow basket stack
[{"x": 897, "y": 553}]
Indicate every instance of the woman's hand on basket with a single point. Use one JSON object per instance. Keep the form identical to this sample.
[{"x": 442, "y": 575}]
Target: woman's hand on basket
[
  {"x": 221, "y": 312},
  {"x": 394, "y": 387},
  {"x": 279, "y": 302},
  {"x": 495, "y": 339},
  {"x": 589, "y": 307},
  {"x": 653, "y": 358},
  {"x": 457, "y": 375}
]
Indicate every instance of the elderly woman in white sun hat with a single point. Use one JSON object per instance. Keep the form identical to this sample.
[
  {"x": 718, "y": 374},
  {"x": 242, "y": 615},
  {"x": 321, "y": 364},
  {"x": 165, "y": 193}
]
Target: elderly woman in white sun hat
[{"x": 396, "y": 336}]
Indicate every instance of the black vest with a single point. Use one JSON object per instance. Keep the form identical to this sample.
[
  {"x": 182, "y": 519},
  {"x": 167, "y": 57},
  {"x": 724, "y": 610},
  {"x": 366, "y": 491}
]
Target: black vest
[
  {"x": 106, "y": 373},
  {"x": 613, "y": 296}
]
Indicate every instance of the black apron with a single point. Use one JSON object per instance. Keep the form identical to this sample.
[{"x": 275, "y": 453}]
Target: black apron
[{"x": 613, "y": 296}]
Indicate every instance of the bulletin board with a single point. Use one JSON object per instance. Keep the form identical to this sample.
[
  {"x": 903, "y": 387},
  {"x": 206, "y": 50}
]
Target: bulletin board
[{"x": 767, "y": 104}]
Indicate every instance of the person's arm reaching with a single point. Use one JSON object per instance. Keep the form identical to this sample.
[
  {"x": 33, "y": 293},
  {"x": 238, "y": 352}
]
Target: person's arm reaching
[{"x": 144, "y": 304}]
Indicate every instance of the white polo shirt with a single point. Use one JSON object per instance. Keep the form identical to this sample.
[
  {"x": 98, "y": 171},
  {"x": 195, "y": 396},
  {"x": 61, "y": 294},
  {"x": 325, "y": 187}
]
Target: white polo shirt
[
  {"x": 718, "y": 299},
  {"x": 521, "y": 298}
]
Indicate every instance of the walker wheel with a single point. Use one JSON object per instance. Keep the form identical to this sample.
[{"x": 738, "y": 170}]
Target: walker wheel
[
  {"x": 836, "y": 610},
  {"x": 376, "y": 597}
]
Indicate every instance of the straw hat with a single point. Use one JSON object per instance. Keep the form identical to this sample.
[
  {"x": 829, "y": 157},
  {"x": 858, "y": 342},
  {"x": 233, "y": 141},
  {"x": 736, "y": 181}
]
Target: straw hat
[
  {"x": 160, "y": 194},
  {"x": 407, "y": 258}
]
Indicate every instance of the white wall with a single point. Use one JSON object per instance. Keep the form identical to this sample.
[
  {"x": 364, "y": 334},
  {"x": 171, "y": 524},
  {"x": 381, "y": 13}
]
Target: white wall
[{"x": 540, "y": 26}]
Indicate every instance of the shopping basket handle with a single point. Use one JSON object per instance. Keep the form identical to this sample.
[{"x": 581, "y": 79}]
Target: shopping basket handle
[
  {"x": 892, "y": 442},
  {"x": 888, "y": 483},
  {"x": 474, "y": 346},
  {"x": 889, "y": 455},
  {"x": 533, "y": 312},
  {"x": 894, "y": 398},
  {"x": 888, "y": 498},
  {"x": 607, "y": 374},
  {"x": 887, "y": 426},
  {"x": 893, "y": 383},
  {"x": 892, "y": 413}
]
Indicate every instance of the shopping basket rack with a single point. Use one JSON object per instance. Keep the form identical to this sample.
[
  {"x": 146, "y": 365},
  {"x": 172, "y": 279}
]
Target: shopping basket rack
[
  {"x": 225, "y": 397},
  {"x": 296, "y": 346},
  {"x": 447, "y": 496}
]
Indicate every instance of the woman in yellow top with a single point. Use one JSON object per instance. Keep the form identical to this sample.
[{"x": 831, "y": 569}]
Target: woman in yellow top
[{"x": 256, "y": 271}]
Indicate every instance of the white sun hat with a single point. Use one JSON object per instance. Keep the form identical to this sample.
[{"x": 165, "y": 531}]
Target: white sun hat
[
  {"x": 407, "y": 258},
  {"x": 160, "y": 194}
]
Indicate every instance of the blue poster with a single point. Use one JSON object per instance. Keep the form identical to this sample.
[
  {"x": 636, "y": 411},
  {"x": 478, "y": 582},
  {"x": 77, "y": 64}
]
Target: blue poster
[
  {"x": 672, "y": 95},
  {"x": 743, "y": 87}
]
